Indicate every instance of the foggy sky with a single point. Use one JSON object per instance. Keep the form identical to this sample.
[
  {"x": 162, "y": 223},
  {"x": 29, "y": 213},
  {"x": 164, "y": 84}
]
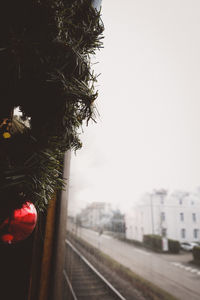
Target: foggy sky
[{"x": 148, "y": 132}]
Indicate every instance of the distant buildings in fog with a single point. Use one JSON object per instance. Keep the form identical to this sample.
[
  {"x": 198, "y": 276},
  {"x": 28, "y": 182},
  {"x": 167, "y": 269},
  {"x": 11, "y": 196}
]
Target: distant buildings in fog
[
  {"x": 100, "y": 215},
  {"x": 95, "y": 214},
  {"x": 175, "y": 216}
]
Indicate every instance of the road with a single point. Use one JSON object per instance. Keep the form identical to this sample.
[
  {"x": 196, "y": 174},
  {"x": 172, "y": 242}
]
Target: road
[{"x": 170, "y": 272}]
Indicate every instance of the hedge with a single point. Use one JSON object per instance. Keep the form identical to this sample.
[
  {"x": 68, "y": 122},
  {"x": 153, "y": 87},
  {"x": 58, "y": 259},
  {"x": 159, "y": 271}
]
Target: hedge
[
  {"x": 196, "y": 254},
  {"x": 174, "y": 246},
  {"x": 154, "y": 242}
]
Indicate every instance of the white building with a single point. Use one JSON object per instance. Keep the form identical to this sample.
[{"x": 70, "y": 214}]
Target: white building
[
  {"x": 175, "y": 216},
  {"x": 95, "y": 214}
]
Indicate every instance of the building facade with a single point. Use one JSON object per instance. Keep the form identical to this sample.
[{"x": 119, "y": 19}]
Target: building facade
[
  {"x": 95, "y": 215},
  {"x": 175, "y": 216}
]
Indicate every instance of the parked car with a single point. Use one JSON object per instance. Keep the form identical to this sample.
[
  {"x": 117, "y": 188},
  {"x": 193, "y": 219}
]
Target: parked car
[
  {"x": 188, "y": 246},
  {"x": 197, "y": 243}
]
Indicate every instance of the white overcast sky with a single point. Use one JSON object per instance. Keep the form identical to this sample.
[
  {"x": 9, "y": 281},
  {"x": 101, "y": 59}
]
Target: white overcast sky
[{"x": 148, "y": 132}]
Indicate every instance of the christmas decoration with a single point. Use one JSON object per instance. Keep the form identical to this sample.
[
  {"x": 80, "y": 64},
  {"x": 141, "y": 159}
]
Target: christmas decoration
[
  {"x": 20, "y": 225},
  {"x": 45, "y": 70},
  {"x": 5, "y": 129}
]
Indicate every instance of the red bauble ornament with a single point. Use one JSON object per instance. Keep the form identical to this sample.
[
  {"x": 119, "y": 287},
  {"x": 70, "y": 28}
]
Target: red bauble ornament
[{"x": 20, "y": 225}]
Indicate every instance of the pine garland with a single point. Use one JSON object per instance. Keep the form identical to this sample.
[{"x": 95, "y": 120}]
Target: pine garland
[{"x": 45, "y": 70}]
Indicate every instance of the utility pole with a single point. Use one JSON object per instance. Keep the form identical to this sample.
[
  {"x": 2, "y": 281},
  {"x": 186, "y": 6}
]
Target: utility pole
[{"x": 152, "y": 216}]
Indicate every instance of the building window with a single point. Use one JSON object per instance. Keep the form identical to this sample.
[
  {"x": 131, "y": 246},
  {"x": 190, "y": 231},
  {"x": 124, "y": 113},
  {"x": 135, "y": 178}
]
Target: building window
[
  {"x": 195, "y": 233},
  {"x": 183, "y": 233},
  {"x": 162, "y": 216},
  {"x": 194, "y": 217},
  {"x": 182, "y": 217}
]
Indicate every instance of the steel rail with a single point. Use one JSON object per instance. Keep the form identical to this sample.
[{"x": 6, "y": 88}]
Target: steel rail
[
  {"x": 108, "y": 284},
  {"x": 69, "y": 284}
]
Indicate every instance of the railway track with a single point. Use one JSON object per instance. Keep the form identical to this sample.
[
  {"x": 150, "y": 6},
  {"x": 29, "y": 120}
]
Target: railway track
[{"x": 83, "y": 280}]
